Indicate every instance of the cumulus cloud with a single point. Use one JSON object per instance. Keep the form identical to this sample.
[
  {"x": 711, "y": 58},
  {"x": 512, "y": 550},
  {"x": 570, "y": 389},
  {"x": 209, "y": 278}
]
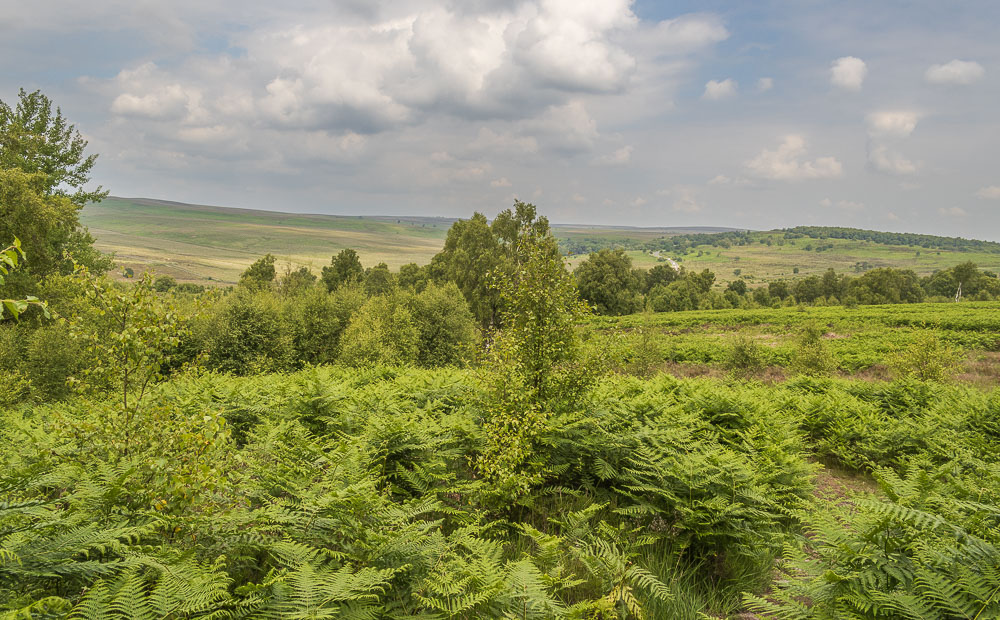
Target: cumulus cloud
[
  {"x": 765, "y": 84},
  {"x": 990, "y": 192},
  {"x": 564, "y": 44},
  {"x": 884, "y": 159},
  {"x": 725, "y": 181},
  {"x": 848, "y": 73},
  {"x": 962, "y": 72},
  {"x": 370, "y": 75},
  {"x": 686, "y": 200},
  {"x": 501, "y": 182},
  {"x": 619, "y": 157},
  {"x": 145, "y": 95},
  {"x": 953, "y": 212},
  {"x": 565, "y": 128},
  {"x": 892, "y": 123},
  {"x": 715, "y": 90},
  {"x": 503, "y": 142},
  {"x": 681, "y": 35},
  {"x": 787, "y": 163}
]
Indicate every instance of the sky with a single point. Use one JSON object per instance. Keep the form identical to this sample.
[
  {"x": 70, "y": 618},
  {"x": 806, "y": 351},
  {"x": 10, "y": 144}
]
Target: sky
[{"x": 758, "y": 115}]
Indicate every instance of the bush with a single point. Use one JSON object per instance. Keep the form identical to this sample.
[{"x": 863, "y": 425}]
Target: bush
[
  {"x": 52, "y": 356},
  {"x": 927, "y": 358},
  {"x": 315, "y": 326},
  {"x": 382, "y": 331},
  {"x": 447, "y": 330},
  {"x": 249, "y": 334},
  {"x": 812, "y": 357},
  {"x": 164, "y": 284},
  {"x": 744, "y": 357},
  {"x": 189, "y": 287}
]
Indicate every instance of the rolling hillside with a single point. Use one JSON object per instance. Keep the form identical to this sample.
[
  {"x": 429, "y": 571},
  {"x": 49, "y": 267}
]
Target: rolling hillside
[
  {"x": 196, "y": 243},
  {"x": 213, "y": 245}
]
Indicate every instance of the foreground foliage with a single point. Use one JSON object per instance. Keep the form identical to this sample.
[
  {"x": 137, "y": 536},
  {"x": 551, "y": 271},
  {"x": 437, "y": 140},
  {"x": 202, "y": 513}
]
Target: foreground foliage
[{"x": 338, "y": 492}]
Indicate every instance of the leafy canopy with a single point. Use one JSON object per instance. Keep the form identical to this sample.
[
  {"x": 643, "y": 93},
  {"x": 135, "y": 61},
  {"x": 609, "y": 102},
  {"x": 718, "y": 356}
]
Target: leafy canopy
[{"x": 36, "y": 140}]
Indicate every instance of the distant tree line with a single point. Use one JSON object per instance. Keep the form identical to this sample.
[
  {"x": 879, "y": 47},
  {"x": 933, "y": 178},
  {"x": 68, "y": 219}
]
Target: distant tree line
[
  {"x": 935, "y": 242},
  {"x": 607, "y": 280},
  {"x": 681, "y": 244}
]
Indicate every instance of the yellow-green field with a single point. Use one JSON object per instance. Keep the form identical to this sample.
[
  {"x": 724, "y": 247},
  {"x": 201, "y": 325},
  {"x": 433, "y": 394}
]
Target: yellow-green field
[{"x": 214, "y": 244}]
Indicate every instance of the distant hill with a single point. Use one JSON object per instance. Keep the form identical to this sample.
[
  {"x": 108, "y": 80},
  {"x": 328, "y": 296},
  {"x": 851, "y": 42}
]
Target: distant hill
[
  {"x": 212, "y": 244},
  {"x": 200, "y": 243}
]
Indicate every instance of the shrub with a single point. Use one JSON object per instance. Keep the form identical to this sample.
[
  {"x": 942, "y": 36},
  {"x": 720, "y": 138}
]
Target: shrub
[
  {"x": 164, "y": 284},
  {"x": 52, "y": 356},
  {"x": 744, "y": 357},
  {"x": 315, "y": 326},
  {"x": 189, "y": 287},
  {"x": 812, "y": 356},
  {"x": 447, "y": 330},
  {"x": 927, "y": 358},
  {"x": 382, "y": 331},
  {"x": 249, "y": 334}
]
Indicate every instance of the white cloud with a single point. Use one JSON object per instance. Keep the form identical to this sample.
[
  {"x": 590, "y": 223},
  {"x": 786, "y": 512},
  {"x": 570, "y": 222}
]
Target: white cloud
[
  {"x": 892, "y": 123},
  {"x": 953, "y": 212},
  {"x": 724, "y": 181},
  {"x": 990, "y": 192},
  {"x": 501, "y": 182},
  {"x": 503, "y": 142},
  {"x": 619, "y": 157},
  {"x": 146, "y": 92},
  {"x": 567, "y": 128},
  {"x": 638, "y": 202},
  {"x": 884, "y": 159},
  {"x": 848, "y": 73},
  {"x": 715, "y": 90},
  {"x": 765, "y": 84},
  {"x": 685, "y": 34},
  {"x": 955, "y": 72},
  {"x": 565, "y": 44},
  {"x": 786, "y": 163},
  {"x": 826, "y": 202},
  {"x": 892, "y": 217},
  {"x": 686, "y": 200}
]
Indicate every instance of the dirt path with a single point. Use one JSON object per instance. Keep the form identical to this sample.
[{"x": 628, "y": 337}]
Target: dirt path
[{"x": 672, "y": 262}]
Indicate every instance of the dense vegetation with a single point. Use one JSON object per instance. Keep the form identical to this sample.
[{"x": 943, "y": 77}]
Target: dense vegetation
[
  {"x": 609, "y": 282},
  {"x": 466, "y": 440},
  {"x": 891, "y": 238}
]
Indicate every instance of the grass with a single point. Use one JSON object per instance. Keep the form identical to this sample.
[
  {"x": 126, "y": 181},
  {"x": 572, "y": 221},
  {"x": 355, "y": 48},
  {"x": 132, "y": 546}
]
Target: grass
[
  {"x": 763, "y": 263},
  {"x": 860, "y": 340},
  {"x": 215, "y": 244}
]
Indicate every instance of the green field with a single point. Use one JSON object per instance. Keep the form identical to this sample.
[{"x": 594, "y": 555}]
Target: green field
[
  {"x": 205, "y": 244},
  {"x": 764, "y": 263},
  {"x": 860, "y": 340}
]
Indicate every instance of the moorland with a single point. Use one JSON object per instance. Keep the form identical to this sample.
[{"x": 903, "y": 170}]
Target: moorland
[{"x": 510, "y": 423}]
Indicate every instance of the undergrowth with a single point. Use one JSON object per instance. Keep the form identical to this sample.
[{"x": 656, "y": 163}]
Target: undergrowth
[{"x": 354, "y": 493}]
